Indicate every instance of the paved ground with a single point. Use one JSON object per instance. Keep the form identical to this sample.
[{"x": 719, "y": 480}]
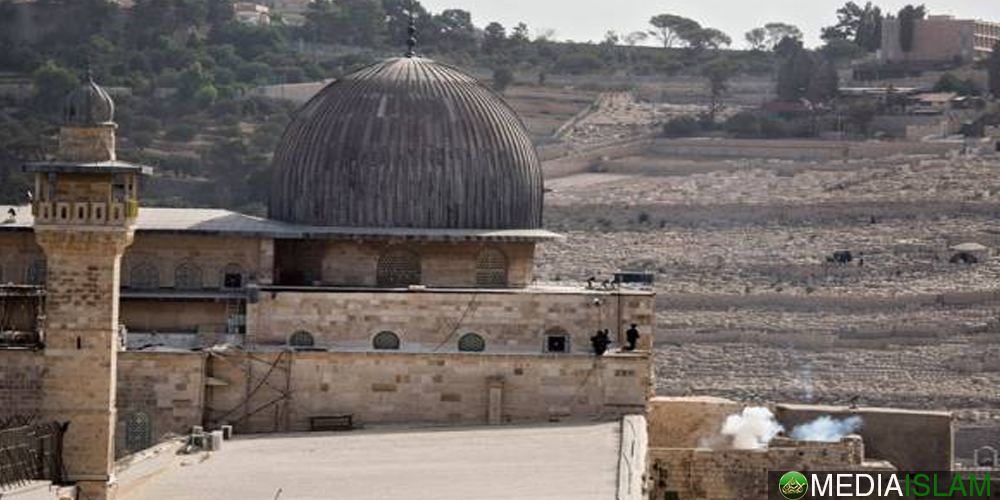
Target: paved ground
[{"x": 550, "y": 462}]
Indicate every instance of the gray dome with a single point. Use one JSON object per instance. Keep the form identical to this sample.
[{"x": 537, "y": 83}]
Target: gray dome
[
  {"x": 89, "y": 105},
  {"x": 407, "y": 143}
]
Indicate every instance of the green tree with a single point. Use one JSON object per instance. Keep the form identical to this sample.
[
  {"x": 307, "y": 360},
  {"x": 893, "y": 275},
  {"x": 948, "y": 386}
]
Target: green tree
[
  {"x": 861, "y": 114},
  {"x": 397, "y": 23},
  {"x": 993, "y": 71},
  {"x": 949, "y": 82},
  {"x": 776, "y": 32},
  {"x": 908, "y": 17},
  {"x": 837, "y": 49},
  {"x": 708, "y": 38},
  {"x": 502, "y": 78},
  {"x": 825, "y": 84},
  {"x": 455, "y": 31},
  {"x": 219, "y": 13},
  {"x": 494, "y": 39},
  {"x": 857, "y": 24},
  {"x": 53, "y": 82},
  {"x": 670, "y": 29},
  {"x": 756, "y": 39},
  {"x": 718, "y": 73},
  {"x": 795, "y": 71}
]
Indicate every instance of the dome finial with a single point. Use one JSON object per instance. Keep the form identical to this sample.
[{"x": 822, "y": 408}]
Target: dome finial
[{"x": 411, "y": 30}]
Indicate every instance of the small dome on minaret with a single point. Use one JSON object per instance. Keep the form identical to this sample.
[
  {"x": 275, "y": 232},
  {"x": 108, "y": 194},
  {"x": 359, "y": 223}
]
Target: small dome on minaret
[{"x": 89, "y": 105}]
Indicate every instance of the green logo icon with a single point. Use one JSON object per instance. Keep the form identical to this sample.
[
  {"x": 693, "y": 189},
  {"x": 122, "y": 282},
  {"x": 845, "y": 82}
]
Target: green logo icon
[{"x": 793, "y": 485}]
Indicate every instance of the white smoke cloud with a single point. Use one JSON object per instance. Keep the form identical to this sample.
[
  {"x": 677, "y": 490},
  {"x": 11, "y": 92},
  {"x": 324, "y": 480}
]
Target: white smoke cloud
[
  {"x": 827, "y": 429},
  {"x": 751, "y": 429}
]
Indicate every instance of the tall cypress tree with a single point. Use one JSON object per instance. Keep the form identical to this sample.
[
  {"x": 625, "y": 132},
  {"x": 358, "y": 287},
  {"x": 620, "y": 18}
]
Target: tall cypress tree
[{"x": 993, "y": 69}]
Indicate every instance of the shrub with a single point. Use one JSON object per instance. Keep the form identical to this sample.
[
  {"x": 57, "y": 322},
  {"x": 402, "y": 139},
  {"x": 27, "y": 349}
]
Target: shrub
[
  {"x": 682, "y": 126},
  {"x": 181, "y": 132}
]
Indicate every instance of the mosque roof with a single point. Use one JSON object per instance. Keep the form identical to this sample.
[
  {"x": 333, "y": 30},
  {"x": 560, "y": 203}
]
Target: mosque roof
[
  {"x": 204, "y": 221},
  {"x": 407, "y": 143}
]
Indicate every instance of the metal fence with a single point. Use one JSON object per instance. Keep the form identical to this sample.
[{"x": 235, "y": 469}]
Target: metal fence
[{"x": 30, "y": 452}]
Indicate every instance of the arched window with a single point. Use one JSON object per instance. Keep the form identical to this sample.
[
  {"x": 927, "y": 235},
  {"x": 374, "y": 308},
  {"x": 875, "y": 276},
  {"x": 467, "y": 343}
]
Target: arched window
[
  {"x": 144, "y": 276},
  {"x": 471, "y": 342},
  {"x": 398, "y": 267},
  {"x": 301, "y": 338},
  {"x": 491, "y": 268},
  {"x": 385, "y": 341},
  {"x": 188, "y": 276},
  {"x": 232, "y": 277},
  {"x": 38, "y": 272}
]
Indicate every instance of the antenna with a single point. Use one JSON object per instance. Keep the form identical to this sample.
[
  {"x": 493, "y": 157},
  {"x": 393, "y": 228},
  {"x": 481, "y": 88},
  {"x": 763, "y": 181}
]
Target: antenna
[{"x": 411, "y": 41}]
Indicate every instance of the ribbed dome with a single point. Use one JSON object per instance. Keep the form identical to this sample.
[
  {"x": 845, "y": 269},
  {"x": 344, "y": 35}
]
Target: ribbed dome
[
  {"x": 89, "y": 105},
  {"x": 407, "y": 143}
]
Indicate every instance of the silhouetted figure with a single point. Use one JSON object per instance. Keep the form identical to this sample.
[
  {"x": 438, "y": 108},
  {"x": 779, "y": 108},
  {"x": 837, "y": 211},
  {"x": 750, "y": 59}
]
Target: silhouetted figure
[
  {"x": 590, "y": 283},
  {"x": 632, "y": 336},
  {"x": 600, "y": 342},
  {"x": 11, "y": 213}
]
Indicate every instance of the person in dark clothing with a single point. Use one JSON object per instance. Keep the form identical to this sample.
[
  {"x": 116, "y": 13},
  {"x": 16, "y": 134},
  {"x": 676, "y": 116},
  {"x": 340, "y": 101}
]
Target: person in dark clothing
[
  {"x": 632, "y": 336},
  {"x": 600, "y": 342}
]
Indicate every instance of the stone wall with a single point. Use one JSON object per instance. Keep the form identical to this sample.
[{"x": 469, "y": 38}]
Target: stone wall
[
  {"x": 210, "y": 254},
  {"x": 338, "y": 263},
  {"x": 21, "y": 382},
  {"x": 148, "y": 316},
  {"x": 794, "y": 149},
  {"x": 167, "y": 387},
  {"x": 18, "y": 251},
  {"x": 286, "y": 389},
  {"x": 632, "y": 455},
  {"x": 910, "y": 440},
  {"x": 707, "y": 474},
  {"x": 514, "y": 321},
  {"x": 686, "y": 422}
]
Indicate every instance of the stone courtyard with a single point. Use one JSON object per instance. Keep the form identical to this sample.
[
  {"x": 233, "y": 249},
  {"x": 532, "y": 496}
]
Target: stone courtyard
[{"x": 542, "y": 462}]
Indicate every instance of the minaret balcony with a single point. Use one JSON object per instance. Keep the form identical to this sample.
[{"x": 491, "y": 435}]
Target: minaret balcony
[{"x": 86, "y": 213}]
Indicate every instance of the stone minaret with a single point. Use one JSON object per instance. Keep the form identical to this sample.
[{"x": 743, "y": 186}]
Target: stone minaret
[{"x": 85, "y": 208}]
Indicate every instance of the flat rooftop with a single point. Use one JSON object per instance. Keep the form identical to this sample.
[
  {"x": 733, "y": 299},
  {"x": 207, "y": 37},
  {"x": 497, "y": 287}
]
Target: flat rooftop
[
  {"x": 550, "y": 462},
  {"x": 218, "y": 222}
]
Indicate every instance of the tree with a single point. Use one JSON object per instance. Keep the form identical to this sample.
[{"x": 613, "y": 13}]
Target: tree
[
  {"x": 502, "y": 78},
  {"x": 841, "y": 50},
  {"x": 860, "y": 25},
  {"x": 708, "y": 38},
  {"x": 718, "y": 72},
  {"x": 757, "y": 39},
  {"x": 861, "y": 114},
  {"x": 949, "y": 82},
  {"x": 220, "y": 13},
  {"x": 776, "y": 32},
  {"x": 53, "y": 82},
  {"x": 397, "y": 23},
  {"x": 456, "y": 33},
  {"x": 796, "y": 70},
  {"x": 494, "y": 39},
  {"x": 908, "y": 17},
  {"x": 670, "y": 29},
  {"x": 993, "y": 71},
  {"x": 825, "y": 84}
]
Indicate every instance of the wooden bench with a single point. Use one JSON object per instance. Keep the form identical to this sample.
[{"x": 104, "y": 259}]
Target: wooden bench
[{"x": 331, "y": 423}]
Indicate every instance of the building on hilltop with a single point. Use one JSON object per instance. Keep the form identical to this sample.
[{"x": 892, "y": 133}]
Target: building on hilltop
[
  {"x": 940, "y": 40},
  {"x": 252, "y": 13},
  {"x": 393, "y": 281}
]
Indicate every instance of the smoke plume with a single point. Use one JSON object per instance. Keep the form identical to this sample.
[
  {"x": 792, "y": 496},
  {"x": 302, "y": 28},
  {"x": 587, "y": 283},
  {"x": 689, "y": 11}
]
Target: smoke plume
[
  {"x": 751, "y": 429},
  {"x": 827, "y": 429}
]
